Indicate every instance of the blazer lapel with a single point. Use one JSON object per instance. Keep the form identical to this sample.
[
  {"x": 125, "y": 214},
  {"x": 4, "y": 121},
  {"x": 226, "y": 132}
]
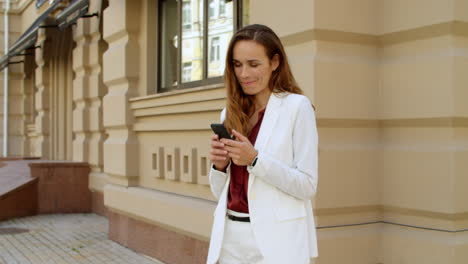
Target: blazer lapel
[
  {"x": 269, "y": 121},
  {"x": 268, "y": 124}
]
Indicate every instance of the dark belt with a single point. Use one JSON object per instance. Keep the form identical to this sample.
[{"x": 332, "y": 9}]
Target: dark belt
[{"x": 237, "y": 218}]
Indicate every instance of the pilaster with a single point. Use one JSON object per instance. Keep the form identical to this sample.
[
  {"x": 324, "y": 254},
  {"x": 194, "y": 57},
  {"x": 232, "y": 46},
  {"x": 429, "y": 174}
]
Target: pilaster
[
  {"x": 88, "y": 92},
  {"x": 42, "y": 96},
  {"x": 28, "y": 116},
  {"x": 121, "y": 75}
]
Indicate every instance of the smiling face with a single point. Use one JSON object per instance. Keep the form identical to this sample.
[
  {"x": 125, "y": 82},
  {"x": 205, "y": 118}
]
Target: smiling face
[{"x": 252, "y": 67}]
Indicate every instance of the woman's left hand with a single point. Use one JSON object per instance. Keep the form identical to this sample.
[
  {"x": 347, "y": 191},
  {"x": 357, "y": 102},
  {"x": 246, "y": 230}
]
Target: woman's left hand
[{"x": 241, "y": 151}]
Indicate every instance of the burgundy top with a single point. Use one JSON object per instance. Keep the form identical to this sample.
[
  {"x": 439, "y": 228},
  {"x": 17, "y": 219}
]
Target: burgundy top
[{"x": 237, "y": 196}]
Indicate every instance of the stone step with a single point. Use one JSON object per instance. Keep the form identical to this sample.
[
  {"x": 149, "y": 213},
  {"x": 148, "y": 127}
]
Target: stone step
[{"x": 32, "y": 186}]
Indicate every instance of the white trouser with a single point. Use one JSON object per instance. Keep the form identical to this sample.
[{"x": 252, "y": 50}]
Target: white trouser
[{"x": 239, "y": 245}]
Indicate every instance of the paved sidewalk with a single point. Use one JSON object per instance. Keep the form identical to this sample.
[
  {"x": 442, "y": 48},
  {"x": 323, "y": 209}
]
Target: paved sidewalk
[{"x": 63, "y": 239}]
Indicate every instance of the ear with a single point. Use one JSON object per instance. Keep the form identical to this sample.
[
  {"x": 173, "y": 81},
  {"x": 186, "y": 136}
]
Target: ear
[{"x": 275, "y": 62}]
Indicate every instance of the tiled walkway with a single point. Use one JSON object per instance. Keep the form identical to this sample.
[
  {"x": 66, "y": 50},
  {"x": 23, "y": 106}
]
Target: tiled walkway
[{"x": 63, "y": 239}]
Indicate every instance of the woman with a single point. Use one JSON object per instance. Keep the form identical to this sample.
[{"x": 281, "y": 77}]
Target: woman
[{"x": 265, "y": 178}]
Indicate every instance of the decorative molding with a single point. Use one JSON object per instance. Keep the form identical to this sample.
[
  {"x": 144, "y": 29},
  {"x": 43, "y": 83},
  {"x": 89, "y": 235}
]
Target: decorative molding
[
  {"x": 426, "y": 122},
  {"x": 330, "y": 35},
  {"x": 387, "y": 123},
  {"x": 424, "y": 213},
  {"x": 347, "y": 123},
  {"x": 180, "y": 98},
  {"x": 175, "y": 125},
  {"x": 390, "y": 209},
  {"x": 348, "y": 210},
  {"x": 457, "y": 28},
  {"x": 180, "y": 164},
  {"x": 181, "y": 108},
  {"x": 178, "y": 93}
]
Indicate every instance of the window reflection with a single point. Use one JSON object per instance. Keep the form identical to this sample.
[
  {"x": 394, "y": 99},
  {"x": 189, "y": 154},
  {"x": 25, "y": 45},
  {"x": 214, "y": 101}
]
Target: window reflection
[
  {"x": 192, "y": 40},
  {"x": 186, "y": 71},
  {"x": 214, "y": 49},
  {"x": 220, "y": 28},
  {"x": 185, "y": 28},
  {"x": 186, "y": 15}
]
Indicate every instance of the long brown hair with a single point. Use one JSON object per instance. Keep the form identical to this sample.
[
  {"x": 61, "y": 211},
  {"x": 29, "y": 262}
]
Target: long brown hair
[{"x": 240, "y": 106}]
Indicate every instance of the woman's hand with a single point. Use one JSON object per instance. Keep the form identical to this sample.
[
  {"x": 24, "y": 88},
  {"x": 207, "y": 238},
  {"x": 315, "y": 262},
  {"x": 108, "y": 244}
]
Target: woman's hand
[
  {"x": 218, "y": 154},
  {"x": 240, "y": 150}
]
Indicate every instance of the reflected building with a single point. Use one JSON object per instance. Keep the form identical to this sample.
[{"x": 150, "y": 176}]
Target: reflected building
[{"x": 204, "y": 45}]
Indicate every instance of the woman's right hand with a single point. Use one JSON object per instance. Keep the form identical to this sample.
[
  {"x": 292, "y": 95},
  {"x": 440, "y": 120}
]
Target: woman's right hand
[{"x": 218, "y": 155}]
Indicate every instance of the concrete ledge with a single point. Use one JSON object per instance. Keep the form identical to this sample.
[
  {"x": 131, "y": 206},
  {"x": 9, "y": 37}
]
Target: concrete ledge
[
  {"x": 97, "y": 206},
  {"x": 56, "y": 164},
  {"x": 62, "y": 186},
  {"x": 11, "y": 158},
  {"x": 185, "y": 215},
  {"x": 156, "y": 241},
  {"x": 170, "y": 227}
]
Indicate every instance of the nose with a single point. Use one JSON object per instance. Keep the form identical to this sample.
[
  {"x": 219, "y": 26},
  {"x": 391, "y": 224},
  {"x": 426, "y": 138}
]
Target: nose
[{"x": 244, "y": 73}]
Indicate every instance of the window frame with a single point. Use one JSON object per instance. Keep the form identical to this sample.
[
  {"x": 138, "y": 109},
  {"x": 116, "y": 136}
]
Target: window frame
[{"x": 237, "y": 24}]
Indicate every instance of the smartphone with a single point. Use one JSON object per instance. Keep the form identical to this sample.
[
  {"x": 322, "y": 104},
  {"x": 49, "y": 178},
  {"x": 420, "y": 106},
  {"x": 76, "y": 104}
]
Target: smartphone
[{"x": 221, "y": 131}]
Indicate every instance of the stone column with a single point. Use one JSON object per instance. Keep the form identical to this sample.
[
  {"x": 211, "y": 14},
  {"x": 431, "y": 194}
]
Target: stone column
[
  {"x": 29, "y": 88},
  {"x": 42, "y": 95},
  {"x": 15, "y": 90},
  {"x": 16, "y": 110},
  {"x": 423, "y": 91},
  {"x": 121, "y": 72},
  {"x": 28, "y": 119},
  {"x": 88, "y": 91}
]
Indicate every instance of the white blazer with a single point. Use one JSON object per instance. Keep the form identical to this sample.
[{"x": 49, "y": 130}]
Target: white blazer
[{"x": 281, "y": 184}]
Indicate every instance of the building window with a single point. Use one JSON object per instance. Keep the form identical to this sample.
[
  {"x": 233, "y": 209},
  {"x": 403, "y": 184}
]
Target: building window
[
  {"x": 186, "y": 15},
  {"x": 187, "y": 72},
  {"x": 193, "y": 39},
  {"x": 214, "y": 49},
  {"x": 222, "y": 8},
  {"x": 212, "y": 9}
]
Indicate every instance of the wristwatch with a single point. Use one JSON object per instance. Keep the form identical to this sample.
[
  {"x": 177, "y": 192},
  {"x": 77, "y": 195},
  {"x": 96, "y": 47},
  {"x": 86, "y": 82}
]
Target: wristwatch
[{"x": 254, "y": 161}]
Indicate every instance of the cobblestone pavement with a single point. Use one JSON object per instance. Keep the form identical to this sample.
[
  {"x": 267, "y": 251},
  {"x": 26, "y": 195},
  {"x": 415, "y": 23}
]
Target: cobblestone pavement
[{"x": 63, "y": 239}]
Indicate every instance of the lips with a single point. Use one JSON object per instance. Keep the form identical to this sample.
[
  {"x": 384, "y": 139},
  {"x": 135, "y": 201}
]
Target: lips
[{"x": 248, "y": 83}]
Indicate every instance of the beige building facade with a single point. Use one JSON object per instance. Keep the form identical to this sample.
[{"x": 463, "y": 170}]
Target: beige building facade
[{"x": 116, "y": 87}]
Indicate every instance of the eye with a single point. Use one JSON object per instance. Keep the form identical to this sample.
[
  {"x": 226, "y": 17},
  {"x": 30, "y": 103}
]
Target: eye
[
  {"x": 236, "y": 64},
  {"x": 253, "y": 65}
]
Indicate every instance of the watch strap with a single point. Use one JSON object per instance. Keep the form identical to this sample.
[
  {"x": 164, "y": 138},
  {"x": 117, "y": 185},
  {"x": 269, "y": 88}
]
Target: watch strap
[{"x": 254, "y": 161}]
